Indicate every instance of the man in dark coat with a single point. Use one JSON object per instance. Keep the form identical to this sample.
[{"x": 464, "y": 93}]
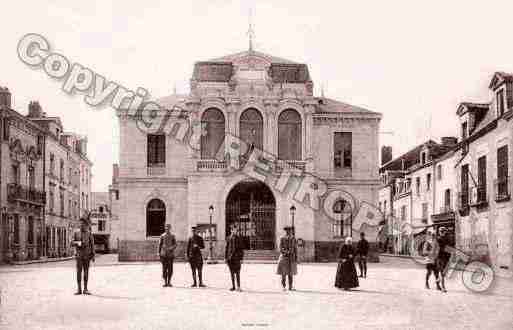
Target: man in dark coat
[
  {"x": 443, "y": 255},
  {"x": 194, "y": 247},
  {"x": 84, "y": 244},
  {"x": 287, "y": 263},
  {"x": 167, "y": 246},
  {"x": 234, "y": 253},
  {"x": 362, "y": 250}
]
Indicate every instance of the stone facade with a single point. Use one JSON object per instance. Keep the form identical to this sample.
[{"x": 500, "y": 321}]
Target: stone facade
[
  {"x": 67, "y": 182},
  {"x": 22, "y": 196},
  {"x": 188, "y": 183}
]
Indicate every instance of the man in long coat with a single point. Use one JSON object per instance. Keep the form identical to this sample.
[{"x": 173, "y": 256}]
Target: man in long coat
[
  {"x": 234, "y": 253},
  {"x": 194, "y": 247},
  {"x": 84, "y": 244},
  {"x": 287, "y": 263},
  {"x": 167, "y": 246}
]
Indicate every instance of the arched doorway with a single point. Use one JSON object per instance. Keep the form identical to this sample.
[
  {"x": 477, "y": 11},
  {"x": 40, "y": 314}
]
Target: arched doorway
[
  {"x": 155, "y": 217},
  {"x": 252, "y": 207}
]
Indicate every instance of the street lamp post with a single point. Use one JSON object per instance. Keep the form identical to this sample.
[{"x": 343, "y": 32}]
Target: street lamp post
[
  {"x": 292, "y": 213},
  {"x": 210, "y": 259}
]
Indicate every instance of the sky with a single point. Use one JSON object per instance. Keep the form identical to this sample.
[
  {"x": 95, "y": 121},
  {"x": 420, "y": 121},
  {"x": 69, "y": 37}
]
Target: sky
[{"x": 413, "y": 61}]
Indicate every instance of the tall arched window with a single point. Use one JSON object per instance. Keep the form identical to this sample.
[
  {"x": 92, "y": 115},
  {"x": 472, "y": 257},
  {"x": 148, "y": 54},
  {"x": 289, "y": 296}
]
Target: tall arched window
[
  {"x": 251, "y": 128},
  {"x": 289, "y": 135},
  {"x": 212, "y": 122},
  {"x": 155, "y": 217}
]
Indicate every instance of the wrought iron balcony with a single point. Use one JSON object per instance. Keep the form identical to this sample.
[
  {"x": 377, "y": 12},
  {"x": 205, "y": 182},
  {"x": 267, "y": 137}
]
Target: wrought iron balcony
[
  {"x": 22, "y": 193},
  {"x": 210, "y": 165},
  {"x": 156, "y": 169},
  {"x": 501, "y": 189}
]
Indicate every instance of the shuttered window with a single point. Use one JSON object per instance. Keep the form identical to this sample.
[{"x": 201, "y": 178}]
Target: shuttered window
[
  {"x": 342, "y": 149},
  {"x": 289, "y": 135},
  {"x": 156, "y": 149},
  {"x": 213, "y": 126}
]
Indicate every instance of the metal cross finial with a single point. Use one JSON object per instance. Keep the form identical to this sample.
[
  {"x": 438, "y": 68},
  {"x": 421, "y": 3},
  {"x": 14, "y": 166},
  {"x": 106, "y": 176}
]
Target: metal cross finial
[{"x": 251, "y": 32}]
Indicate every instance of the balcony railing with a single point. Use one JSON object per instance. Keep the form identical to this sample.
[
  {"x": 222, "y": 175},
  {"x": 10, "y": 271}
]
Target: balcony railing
[
  {"x": 156, "y": 169},
  {"x": 501, "y": 189},
  {"x": 18, "y": 192},
  {"x": 210, "y": 165}
]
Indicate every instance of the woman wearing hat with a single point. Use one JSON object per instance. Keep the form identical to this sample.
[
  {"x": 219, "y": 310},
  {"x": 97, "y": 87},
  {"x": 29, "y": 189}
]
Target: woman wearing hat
[
  {"x": 287, "y": 263},
  {"x": 346, "y": 277}
]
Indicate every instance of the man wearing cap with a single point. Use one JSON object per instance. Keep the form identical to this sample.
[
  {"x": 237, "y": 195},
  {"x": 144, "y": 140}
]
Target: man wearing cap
[
  {"x": 430, "y": 252},
  {"x": 84, "y": 244},
  {"x": 287, "y": 263},
  {"x": 234, "y": 253},
  {"x": 194, "y": 247},
  {"x": 362, "y": 250},
  {"x": 167, "y": 246},
  {"x": 443, "y": 255}
]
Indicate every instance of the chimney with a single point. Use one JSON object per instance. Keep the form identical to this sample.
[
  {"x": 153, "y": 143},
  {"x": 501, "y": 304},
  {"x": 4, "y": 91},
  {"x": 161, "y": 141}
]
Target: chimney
[
  {"x": 35, "y": 110},
  {"x": 115, "y": 173},
  {"x": 386, "y": 154},
  {"x": 449, "y": 141},
  {"x": 5, "y": 97}
]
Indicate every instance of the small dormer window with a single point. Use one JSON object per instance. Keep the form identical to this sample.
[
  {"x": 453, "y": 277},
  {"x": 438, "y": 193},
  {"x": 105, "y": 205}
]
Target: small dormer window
[{"x": 500, "y": 102}]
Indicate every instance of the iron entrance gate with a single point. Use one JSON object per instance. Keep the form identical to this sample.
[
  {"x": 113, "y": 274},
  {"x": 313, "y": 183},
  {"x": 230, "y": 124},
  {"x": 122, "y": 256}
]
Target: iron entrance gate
[{"x": 253, "y": 209}]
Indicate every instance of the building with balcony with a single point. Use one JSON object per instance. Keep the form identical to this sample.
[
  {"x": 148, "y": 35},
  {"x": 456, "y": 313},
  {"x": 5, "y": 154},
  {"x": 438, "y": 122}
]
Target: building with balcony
[
  {"x": 482, "y": 176},
  {"x": 174, "y": 176},
  {"x": 22, "y": 193},
  {"x": 67, "y": 175}
]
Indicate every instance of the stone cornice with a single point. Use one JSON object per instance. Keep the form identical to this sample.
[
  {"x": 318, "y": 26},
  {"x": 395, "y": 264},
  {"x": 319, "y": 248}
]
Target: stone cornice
[{"x": 151, "y": 180}]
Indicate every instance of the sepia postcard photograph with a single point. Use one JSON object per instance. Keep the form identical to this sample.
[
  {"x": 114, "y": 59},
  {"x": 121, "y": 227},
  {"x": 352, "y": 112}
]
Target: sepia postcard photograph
[{"x": 256, "y": 164}]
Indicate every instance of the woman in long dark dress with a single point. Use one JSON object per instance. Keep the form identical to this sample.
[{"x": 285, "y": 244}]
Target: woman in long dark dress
[{"x": 346, "y": 277}]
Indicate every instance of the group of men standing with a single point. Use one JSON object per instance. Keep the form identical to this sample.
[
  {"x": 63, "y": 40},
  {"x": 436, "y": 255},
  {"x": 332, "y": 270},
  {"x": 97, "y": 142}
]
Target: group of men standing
[{"x": 234, "y": 254}]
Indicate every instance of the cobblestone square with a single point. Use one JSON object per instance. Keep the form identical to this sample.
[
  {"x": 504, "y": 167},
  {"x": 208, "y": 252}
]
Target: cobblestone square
[{"x": 131, "y": 296}]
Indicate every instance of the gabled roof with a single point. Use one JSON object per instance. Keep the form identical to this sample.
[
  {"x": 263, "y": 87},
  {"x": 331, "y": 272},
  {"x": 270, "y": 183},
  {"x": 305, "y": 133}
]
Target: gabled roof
[
  {"x": 412, "y": 156},
  {"x": 233, "y": 57},
  {"x": 499, "y": 78},
  {"x": 465, "y": 107},
  {"x": 326, "y": 105}
]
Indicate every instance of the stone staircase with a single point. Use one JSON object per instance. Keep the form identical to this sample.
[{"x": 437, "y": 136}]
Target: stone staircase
[{"x": 261, "y": 256}]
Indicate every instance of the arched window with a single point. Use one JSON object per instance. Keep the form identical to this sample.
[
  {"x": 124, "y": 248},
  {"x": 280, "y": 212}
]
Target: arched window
[
  {"x": 289, "y": 135},
  {"x": 212, "y": 122},
  {"x": 251, "y": 128},
  {"x": 155, "y": 217}
]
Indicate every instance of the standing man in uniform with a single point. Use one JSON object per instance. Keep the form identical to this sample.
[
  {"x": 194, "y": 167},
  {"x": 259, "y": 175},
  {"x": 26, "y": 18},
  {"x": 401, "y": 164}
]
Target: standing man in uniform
[
  {"x": 287, "y": 263},
  {"x": 167, "y": 246},
  {"x": 194, "y": 247},
  {"x": 84, "y": 244},
  {"x": 234, "y": 253},
  {"x": 430, "y": 252},
  {"x": 362, "y": 250}
]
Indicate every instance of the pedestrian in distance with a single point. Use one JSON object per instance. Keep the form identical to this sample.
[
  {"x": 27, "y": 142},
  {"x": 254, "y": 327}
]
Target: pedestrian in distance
[
  {"x": 430, "y": 253},
  {"x": 346, "y": 277},
  {"x": 167, "y": 246},
  {"x": 287, "y": 262},
  {"x": 234, "y": 253},
  {"x": 84, "y": 244},
  {"x": 194, "y": 247},
  {"x": 362, "y": 250}
]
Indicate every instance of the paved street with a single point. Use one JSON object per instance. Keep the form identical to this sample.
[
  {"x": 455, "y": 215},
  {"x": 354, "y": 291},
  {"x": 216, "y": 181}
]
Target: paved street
[{"x": 130, "y": 296}]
